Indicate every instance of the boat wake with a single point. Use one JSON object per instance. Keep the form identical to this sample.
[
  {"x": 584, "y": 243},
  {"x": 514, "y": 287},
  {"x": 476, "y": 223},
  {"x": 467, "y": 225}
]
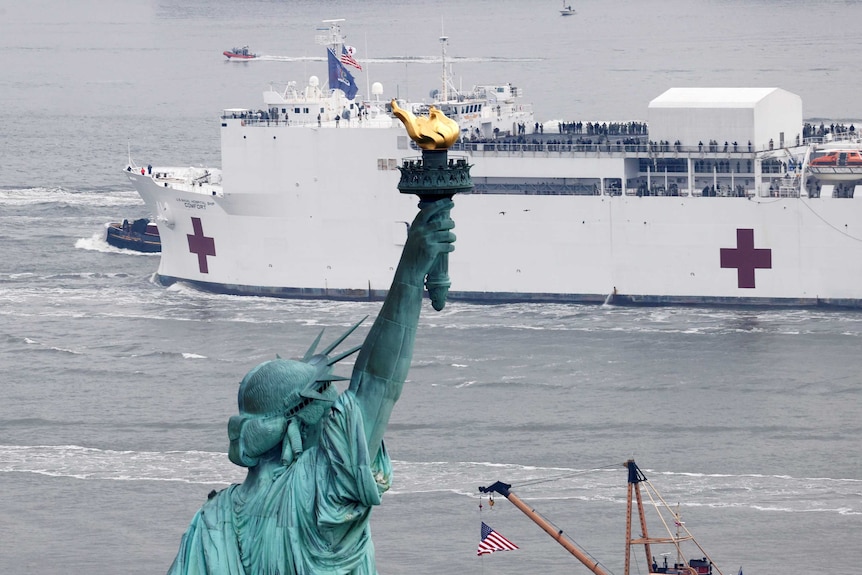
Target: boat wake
[
  {"x": 768, "y": 493},
  {"x": 404, "y": 59},
  {"x": 97, "y": 243},
  {"x": 20, "y": 197}
]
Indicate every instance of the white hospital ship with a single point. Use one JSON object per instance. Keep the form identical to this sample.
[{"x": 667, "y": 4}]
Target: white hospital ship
[{"x": 724, "y": 196}]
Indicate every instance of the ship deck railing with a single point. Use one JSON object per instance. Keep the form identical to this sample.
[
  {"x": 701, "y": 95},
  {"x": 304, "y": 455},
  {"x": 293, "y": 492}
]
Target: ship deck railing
[
  {"x": 539, "y": 143},
  {"x": 847, "y": 136},
  {"x": 252, "y": 120},
  {"x": 722, "y": 192},
  {"x": 200, "y": 185},
  {"x": 611, "y": 148}
]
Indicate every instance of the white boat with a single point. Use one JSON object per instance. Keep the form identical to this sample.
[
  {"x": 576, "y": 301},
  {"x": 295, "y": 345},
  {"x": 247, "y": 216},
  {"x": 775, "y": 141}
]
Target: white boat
[
  {"x": 567, "y": 10},
  {"x": 306, "y": 204}
]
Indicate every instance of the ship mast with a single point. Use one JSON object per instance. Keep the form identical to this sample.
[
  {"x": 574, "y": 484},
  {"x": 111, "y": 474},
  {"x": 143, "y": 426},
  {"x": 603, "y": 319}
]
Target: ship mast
[
  {"x": 332, "y": 38},
  {"x": 636, "y": 477},
  {"x": 445, "y": 76}
]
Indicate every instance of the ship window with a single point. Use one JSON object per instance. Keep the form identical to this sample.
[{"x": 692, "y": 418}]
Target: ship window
[
  {"x": 305, "y": 110},
  {"x": 537, "y": 186},
  {"x": 284, "y": 110},
  {"x": 386, "y": 164}
]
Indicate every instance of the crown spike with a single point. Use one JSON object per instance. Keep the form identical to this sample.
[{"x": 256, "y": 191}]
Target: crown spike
[
  {"x": 342, "y": 355},
  {"x": 310, "y": 352},
  {"x": 335, "y": 343},
  {"x": 331, "y": 377}
]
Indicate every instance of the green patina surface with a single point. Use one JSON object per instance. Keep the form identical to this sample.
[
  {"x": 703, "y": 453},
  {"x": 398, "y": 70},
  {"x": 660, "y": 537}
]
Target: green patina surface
[{"x": 316, "y": 460}]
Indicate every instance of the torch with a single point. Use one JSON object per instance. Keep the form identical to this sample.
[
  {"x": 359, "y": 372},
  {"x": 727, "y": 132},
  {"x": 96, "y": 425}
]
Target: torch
[{"x": 433, "y": 177}]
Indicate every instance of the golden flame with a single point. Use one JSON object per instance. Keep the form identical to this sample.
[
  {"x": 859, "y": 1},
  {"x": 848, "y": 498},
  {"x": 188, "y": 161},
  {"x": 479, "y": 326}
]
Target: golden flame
[{"x": 436, "y": 132}]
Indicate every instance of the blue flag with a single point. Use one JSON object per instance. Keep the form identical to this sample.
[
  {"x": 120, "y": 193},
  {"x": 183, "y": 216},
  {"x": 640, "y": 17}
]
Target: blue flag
[{"x": 340, "y": 78}]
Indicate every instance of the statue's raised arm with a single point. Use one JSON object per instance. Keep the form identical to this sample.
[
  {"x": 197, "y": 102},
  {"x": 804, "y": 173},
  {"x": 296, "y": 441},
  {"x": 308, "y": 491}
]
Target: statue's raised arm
[
  {"x": 315, "y": 459},
  {"x": 384, "y": 359}
]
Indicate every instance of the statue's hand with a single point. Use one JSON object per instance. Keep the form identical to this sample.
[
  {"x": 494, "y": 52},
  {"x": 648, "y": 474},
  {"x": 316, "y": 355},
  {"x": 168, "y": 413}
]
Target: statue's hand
[{"x": 429, "y": 235}]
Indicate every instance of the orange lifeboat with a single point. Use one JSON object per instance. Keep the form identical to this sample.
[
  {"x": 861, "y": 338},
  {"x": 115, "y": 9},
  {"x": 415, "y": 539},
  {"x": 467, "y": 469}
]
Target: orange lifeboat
[{"x": 841, "y": 165}]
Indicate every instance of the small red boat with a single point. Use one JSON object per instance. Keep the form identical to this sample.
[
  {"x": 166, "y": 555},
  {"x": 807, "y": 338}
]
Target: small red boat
[{"x": 240, "y": 54}]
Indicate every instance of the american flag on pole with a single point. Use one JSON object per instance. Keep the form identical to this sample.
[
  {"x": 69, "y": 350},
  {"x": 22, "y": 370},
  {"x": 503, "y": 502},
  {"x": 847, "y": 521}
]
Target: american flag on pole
[
  {"x": 347, "y": 57},
  {"x": 493, "y": 541}
]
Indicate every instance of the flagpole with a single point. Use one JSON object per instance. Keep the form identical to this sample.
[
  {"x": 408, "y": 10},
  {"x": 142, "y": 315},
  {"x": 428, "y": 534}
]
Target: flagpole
[
  {"x": 367, "y": 72},
  {"x": 481, "y": 521}
]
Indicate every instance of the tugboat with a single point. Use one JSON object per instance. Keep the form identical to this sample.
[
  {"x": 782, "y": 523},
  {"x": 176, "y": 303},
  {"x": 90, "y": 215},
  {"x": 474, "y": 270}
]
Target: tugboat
[
  {"x": 140, "y": 235},
  {"x": 674, "y": 536},
  {"x": 240, "y": 54}
]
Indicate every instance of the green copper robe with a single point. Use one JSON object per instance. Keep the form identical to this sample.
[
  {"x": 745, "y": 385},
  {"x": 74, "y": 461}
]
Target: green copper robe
[{"x": 312, "y": 520}]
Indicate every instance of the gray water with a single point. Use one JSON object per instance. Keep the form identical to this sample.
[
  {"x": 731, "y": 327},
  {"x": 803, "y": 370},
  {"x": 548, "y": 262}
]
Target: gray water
[{"x": 116, "y": 391}]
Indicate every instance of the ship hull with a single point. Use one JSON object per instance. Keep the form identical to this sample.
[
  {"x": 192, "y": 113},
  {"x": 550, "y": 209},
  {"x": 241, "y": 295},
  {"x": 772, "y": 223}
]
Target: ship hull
[{"x": 297, "y": 220}]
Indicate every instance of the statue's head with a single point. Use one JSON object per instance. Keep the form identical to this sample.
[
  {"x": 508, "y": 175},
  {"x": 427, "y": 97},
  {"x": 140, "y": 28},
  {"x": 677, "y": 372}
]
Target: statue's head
[{"x": 280, "y": 401}]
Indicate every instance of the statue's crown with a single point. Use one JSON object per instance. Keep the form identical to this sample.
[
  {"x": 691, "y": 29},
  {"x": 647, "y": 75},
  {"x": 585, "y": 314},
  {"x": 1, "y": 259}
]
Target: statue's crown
[{"x": 295, "y": 383}]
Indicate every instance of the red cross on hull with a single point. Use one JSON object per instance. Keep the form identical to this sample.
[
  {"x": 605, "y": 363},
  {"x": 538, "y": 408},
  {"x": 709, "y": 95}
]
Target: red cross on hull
[
  {"x": 201, "y": 245},
  {"x": 745, "y": 258}
]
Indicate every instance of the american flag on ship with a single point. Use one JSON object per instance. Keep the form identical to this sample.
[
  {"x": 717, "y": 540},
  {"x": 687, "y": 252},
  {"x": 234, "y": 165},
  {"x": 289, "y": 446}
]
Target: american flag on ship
[
  {"x": 347, "y": 58},
  {"x": 339, "y": 77},
  {"x": 493, "y": 541}
]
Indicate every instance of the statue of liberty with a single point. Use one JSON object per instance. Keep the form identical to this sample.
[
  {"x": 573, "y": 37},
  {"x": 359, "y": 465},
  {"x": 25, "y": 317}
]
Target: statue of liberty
[{"x": 316, "y": 460}]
